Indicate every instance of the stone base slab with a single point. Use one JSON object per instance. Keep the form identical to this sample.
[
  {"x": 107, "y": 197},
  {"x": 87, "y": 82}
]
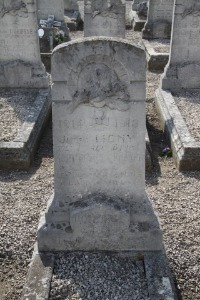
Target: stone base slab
[
  {"x": 159, "y": 282},
  {"x": 186, "y": 151},
  {"x": 37, "y": 286},
  {"x": 137, "y": 23},
  {"x": 100, "y": 222},
  {"x": 18, "y": 154},
  {"x": 155, "y": 60},
  {"x": 20, "y": 74}
]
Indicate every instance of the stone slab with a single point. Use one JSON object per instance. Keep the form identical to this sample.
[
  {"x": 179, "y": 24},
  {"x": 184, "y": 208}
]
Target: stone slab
[
  {"x": 37, "y": 286},
  {"x": 158, "y": 276},
  {"x": 186, "y": 151},
  {"x": 155, "y": 60},
  {"x": 154, "y": 265},
  {"x": 19, "y": 153},
  {"x": 137, "y": 22}
]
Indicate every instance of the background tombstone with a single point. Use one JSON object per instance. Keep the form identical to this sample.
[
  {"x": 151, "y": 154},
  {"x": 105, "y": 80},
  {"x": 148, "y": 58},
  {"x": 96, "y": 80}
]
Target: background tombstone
[
  {"x": 99, "y": 150},
  {"x": 20, "y": 62},
  {"x": 71, "y": 5},
  {"x": 104, "y": 18},
  {"x": 51, "y": 7},
  {"x": 159, "y": 20},
  {"x": 136, "y": 3},
  {"x": 183, "y": 69},
  {"x": 54, "y": 8}
]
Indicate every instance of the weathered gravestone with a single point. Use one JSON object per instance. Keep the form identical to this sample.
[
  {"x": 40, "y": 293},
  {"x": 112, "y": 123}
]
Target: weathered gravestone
[
  {"x": 136, "y": 3},
  {"x": 20, "y": 62},
  {"x": 54, "y": 8},
  {"x": 183, "y": 69},
  {"x": 72, "y": 14},
  {"x": 71, "y": 5},
  {"x": 159, "y": 20},
  {"x": 104, "y": 18},
  {"x": 142, "y": 8},
  {"x": 99, "y": 200},
  {"x": 51, "y": 7}
]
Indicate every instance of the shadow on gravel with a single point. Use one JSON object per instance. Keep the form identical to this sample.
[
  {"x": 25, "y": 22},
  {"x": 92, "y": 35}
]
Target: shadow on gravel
[
  {"x": 157, "y": 141},
  {"x": 45, "y": 150}
]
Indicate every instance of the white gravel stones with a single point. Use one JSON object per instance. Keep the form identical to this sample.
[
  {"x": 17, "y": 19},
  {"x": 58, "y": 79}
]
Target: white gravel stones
[
  {"x": 189, "y": 106},
  {"x": 96, "y": 277},
  {"x": 14, "y": 107}
]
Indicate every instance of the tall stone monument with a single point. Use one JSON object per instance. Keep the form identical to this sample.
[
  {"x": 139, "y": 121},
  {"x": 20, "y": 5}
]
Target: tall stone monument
[
  {"x": 104, "y": 18},
  {"x": 20, "y": 62},
  {"x": 99, "y": 201},
  {"x": 183, "y": 69},
  {"x": 159, "y": 19}
]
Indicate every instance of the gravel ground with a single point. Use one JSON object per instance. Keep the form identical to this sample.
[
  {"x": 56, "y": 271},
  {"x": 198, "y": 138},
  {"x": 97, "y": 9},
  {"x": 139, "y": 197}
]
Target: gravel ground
[
  {"x": 160, "y": 45},
  {"x": 189, "y": 106},
  {"x": 175, "y": 196},
  {"x": 96, "y": 277},
  {"x": 14, "y": 107}
]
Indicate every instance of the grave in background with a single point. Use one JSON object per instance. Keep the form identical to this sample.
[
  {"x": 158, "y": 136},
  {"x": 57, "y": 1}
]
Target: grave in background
[
  {"x": 21, "y": 70},
  {"x": 72, "y": 15},
  {"x": 20, "y": 65},
  {"x": 104, "y": 18},
  {"x": 71, "y": 5},
  {"x": 51, "y": 19},
  {"x": 157, "y": 32},
  {"x": 139, "y": 14},
  {"x": 159, "y": 20},
  {"x": 99, "y": 201},
  {"x": 181, "y": 74},
  {"x": 50, "y": 7}
]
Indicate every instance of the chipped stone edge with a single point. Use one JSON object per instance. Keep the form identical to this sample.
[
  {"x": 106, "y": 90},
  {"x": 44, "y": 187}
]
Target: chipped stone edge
[
  {"x": 19, "y": 153},
  {"x": 186, "y": 151},
  {"x": 137, "y": 23},
  {"x": 38, "y": 282},
  {"x": 159, "y": 278},
  {"x": 155, "y": 60}
]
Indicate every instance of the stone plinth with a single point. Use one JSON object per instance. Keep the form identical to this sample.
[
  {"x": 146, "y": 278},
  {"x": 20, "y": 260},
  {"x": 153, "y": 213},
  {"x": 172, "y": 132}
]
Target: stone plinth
[{"x": 99, "y": 201}]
